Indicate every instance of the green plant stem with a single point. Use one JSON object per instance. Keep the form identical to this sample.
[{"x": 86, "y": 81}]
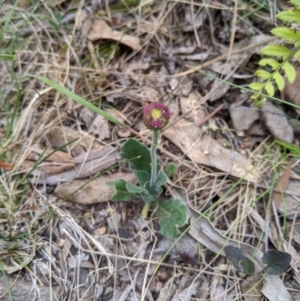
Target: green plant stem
[
  {"x": 145, "y": 210},
  {"x": 153, "y": 177},
  {"x": 153, "y": 161}
]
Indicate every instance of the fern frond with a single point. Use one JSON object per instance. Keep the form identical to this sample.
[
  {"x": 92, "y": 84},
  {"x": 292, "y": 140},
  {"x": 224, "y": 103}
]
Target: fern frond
[
  {"x": 271, "y": 62},
  {"x": 279, "y": 80},
  {"x": 278, "y": 57},
  {"x": 263, "y": 74},
  {"x": 286, "y": 34},
  {"x": 276, "y": 50},
  {"x": 290, "y": 71},
  {"x": 295, "y": 2},
  {"x": 292, "y": 16},
  {"x": 269, "y": 88},
  {"x": 256, "y": 86},
  {"x": 297, "y": 54}
]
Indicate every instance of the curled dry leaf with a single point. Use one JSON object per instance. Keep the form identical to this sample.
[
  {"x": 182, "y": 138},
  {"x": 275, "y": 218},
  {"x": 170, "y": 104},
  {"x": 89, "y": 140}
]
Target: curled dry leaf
[
  {"x": 97, "y": 191},
  {"x": 205, "y": 150},
  {"x": 79, "y": 142},
  {"x": 100, "y": 30},
  {"x": 89, "y": 164},
  {"x": 55, "y": 162}
]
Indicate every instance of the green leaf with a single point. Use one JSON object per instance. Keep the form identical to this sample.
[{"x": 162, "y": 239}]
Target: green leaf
[
  {"x": 278, "y": 262},
  {"x": 235, "y": 256},
  {"x": 271, "y": 62},
  {"x": 134, "y": 189},
  {"x": 239, "y": 260},
  {"x": 276, "y": 50},
  {"x": 294, "y": 149},
  {"x": 121, "y": 193},
  {"x": 143, "y": 177},
  {"x": 172, "y": 215},
  {"x": 297, "y": 44},
  {"x": 269, "y": 89},
  {"x": 7, "y": 56},
  {"x": 279, "y": 80},
  {"x": 295, "y": 2},
  {"x": 248, "y": 265},
  {"x": 137, "y": 154},
  {"x": 297, "y": 54},
  {"x": 290, "y": 16},
  {"x": 290, "y": 72},
  {"x": 171, "y": 169},
  {"x": 286, "y": 34},
  {"x": 256, "y": 86},
  {"x": 263, "y": 74},
  {"x": 160, "y": 180}
]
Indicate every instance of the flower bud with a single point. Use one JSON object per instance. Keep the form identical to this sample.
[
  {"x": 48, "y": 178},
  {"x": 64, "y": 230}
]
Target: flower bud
[{"x": 156, "y": 116}]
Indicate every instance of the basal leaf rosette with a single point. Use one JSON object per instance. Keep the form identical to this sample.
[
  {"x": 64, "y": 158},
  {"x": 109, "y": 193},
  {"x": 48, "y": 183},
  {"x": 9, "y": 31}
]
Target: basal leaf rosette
[{"x": 156, "y": 116}]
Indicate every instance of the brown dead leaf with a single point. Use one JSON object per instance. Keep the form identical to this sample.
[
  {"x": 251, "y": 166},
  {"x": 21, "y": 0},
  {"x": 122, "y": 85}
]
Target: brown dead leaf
[
  {"x": 191, "y": 104},
  {"x": 59, "y": 136},
  {"x": 100, "y": 128},
  {"x": 56, "y": 162},
  {"x": 90, "y": 163},
  {"x": 100, "y": 30},
  {"x": 289, "y": 205},
  {"x": 291, "y": 92},
  {"x": 46, "y": 168},
  {"x": 52, "y": 155},
  {"x": 94, "y": 192},
  {"x": 282, "y": 185},
  {"x": 142, "y": 94},
  {"x": 205, "y": 150},
  {"x": 251, "y": 288},
  {"x": 5, "y": 165}
]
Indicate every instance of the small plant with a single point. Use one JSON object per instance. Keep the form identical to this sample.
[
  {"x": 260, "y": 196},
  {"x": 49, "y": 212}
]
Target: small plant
[
  {"x": 277, "y": 57},
  {"x": 276, "y": 262},
  {"x": 147, "y": 168}
]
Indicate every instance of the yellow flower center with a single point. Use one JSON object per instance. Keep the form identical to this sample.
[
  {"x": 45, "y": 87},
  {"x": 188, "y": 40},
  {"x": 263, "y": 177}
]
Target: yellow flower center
[{"x": 156, "y": 113}]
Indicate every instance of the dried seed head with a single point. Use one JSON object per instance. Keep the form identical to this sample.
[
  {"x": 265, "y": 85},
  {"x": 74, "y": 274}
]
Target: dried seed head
[{"x": 156, "y": 115}]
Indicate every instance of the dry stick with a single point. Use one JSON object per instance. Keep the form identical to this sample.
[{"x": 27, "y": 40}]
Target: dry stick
[
  {"x": 210, "y": 115},
  {"x": 233, "y": 28}
]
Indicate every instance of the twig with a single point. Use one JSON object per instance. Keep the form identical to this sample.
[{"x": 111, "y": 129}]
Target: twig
[{"x": 210, "y": 115}]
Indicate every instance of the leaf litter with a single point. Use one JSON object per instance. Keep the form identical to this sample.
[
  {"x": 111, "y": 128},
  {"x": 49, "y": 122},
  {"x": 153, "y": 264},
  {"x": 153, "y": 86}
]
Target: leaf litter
[{"x": 143, "y": 53}]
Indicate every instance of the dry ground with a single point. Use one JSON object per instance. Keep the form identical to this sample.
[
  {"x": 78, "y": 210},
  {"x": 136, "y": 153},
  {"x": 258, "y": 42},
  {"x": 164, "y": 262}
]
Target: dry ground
[{"x": 61, "y": 238}]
